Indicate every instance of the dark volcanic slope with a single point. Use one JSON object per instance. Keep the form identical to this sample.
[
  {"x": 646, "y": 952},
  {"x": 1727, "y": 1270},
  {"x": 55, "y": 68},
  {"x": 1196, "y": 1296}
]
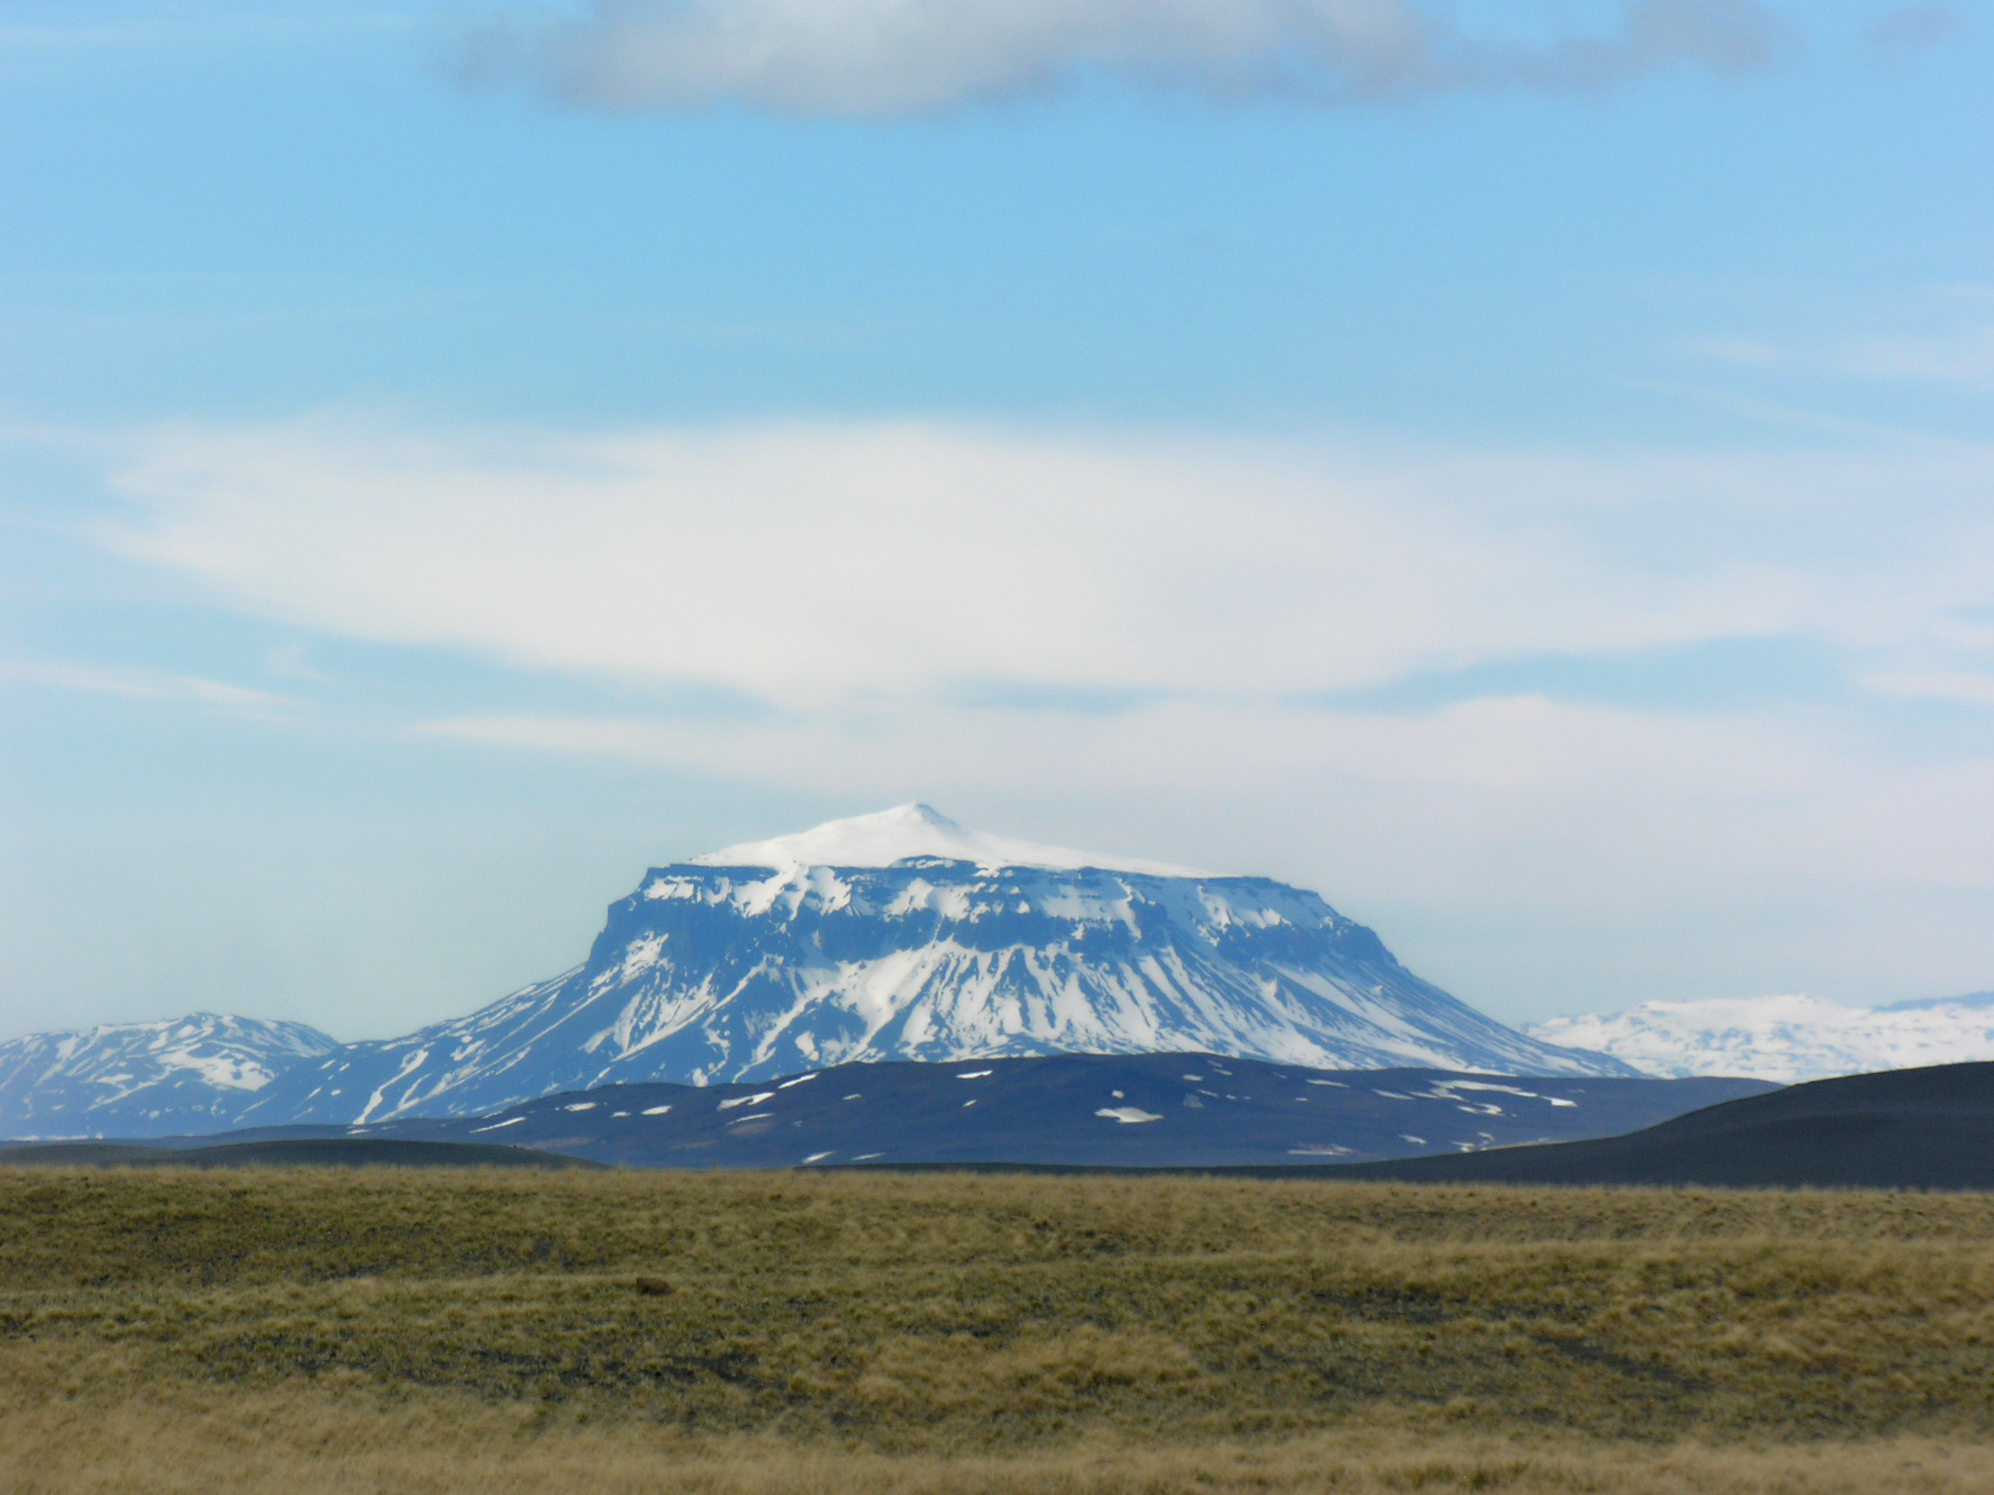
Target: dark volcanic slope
[
  {"x": 1114, "y": 1110},
  {"x": 1904, "y": 1129}
]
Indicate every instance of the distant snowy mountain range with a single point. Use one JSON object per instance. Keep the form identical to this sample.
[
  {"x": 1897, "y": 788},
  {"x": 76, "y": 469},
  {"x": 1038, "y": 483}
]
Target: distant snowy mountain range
[
  {"x": 900, "y": 935},
  {"x": 1787, "y": 1039},
  {"x": 194, "y": 1074}
]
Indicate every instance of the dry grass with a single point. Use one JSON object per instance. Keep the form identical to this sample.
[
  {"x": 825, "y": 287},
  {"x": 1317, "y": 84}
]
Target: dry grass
[
  {"x": 346, "y": 1446},
  {"x": 487, "y": 1331}
]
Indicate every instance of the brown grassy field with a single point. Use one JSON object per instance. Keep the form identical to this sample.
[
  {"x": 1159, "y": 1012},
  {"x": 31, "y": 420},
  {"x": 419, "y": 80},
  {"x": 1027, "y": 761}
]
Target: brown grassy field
[{"x": 497, "y": 1332}]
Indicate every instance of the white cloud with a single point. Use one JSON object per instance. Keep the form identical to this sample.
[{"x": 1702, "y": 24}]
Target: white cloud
[
  {"x": 1526, "y": 808},
  {"x": 824, "y": 565},
  {"x": 904, "y": 57},
  {"x": 1523, "y": 748},
  {"x": 143, "y": 685},
  {"x": 1972, "y": 688},
  {"x": 1103, "y": 638}
]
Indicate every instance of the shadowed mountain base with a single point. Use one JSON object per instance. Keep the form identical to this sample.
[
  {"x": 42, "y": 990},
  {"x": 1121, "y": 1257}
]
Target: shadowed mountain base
[
  {"x": 294, "y": 1152},
  {"x": 1904, "y": 1129},
  {"x": 1176, "y": 1110}
]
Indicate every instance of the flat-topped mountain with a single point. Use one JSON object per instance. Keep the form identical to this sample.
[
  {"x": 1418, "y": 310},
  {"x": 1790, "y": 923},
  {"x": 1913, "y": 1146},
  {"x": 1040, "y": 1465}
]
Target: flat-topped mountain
[{"x": 903, "y": 935}]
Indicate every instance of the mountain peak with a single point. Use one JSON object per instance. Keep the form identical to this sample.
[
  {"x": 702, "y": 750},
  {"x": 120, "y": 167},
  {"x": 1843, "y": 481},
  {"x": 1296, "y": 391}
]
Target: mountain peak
[{"x": 916, "y": 830}]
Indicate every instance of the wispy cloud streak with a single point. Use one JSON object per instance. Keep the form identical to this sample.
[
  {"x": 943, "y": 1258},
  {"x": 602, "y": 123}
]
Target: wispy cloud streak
[
  {"x": 143, "y": 685},
  {"x": 886, "y": 58}
]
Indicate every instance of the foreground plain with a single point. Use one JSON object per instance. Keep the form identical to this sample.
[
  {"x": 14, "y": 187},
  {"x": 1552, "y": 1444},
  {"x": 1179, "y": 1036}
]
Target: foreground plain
[{"x": 445, "y": 1331}]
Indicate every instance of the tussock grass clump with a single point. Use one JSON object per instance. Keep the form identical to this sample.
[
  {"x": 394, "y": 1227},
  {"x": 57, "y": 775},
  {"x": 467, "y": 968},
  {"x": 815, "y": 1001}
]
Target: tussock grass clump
[{"x": 992, "y": 1332}]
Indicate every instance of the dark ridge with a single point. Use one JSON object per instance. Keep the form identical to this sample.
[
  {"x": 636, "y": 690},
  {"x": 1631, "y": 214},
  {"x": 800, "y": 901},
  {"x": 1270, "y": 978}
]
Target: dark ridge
[
  {"x": 1098, "y": 1110},
  {"x": 78, "y": 1154},
  {"x": 1929, "y": 1128},
  {"x": 300, "y": 1152}
]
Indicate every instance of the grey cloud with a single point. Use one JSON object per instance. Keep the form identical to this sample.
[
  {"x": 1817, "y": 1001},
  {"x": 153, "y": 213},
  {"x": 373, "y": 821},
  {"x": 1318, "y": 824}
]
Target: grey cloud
[
  {"x": 1898, "y": 35},
  {"x": 1732, "y": 36},
  {"x": 888, "y": 58}
]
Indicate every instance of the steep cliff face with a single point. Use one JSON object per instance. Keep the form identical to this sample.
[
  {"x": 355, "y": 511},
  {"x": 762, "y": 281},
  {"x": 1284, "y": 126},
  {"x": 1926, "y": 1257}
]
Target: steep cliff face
[{"x": 903, "y": 936}]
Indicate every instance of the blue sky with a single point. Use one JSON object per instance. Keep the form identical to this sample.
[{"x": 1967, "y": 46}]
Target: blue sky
[{"x": 1521, "y": 469}]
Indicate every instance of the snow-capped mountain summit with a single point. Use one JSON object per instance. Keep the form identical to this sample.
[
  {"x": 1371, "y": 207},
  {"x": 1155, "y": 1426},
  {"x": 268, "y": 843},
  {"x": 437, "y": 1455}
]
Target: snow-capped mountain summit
[
  {"x": 907, "y": 831},
  {"x": 903, "y": 935},
  {"x": 190, "y": 1074}
]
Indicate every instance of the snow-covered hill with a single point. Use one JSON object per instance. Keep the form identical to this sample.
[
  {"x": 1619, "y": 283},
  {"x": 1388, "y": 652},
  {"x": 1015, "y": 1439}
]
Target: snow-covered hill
[
  {"x": 905, "y": 936},
  {"x": 1787, "y": 1038},
  {"x": 193, "y": 1074}
]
